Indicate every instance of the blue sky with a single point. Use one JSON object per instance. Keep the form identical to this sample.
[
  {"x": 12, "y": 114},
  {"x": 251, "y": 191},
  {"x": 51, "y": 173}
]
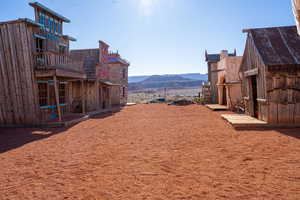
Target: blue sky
[{"x": 161, "y": 36}]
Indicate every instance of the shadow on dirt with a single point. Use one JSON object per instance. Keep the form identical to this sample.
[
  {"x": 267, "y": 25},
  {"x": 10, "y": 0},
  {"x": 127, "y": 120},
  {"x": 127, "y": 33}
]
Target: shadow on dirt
[
  {"x": 293, "y": 132},
  {"x": 12, "y": 138}
]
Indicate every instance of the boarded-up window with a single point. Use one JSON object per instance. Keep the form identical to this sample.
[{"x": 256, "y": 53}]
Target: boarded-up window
[{"x": 43, "y": 94}]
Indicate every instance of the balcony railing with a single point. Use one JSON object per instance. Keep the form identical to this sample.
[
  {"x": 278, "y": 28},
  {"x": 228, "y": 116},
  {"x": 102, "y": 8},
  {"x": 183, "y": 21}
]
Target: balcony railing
[{"x": 52, "y": 59}]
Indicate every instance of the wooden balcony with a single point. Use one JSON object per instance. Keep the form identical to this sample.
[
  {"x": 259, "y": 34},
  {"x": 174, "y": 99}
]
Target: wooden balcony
[{"x": 51, "y": 63}]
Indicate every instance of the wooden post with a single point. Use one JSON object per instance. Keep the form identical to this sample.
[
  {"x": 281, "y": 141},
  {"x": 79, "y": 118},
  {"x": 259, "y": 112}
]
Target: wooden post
[
  {"x": 83, "y": 96},
  {"x": 57, "y": 97}
]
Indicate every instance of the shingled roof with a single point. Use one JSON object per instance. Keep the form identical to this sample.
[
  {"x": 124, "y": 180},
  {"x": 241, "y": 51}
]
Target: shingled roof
[{"x": 277, "y": 46}]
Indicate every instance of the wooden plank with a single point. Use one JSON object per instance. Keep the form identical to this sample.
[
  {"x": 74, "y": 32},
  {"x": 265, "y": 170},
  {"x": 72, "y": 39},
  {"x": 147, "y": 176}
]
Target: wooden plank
[
  {"x": 13, "y": 38},
  {"x": 11, "y": 80},
  {"x": 30, "y": 44},
  {"x": 20, "y": 70},
  {"x": 283, "y": 114},
  {"x": 297, "y": 113},
  {"x": 273, "y": 113},
  {"x": 251, "y": 72},
  {"x": 57, "y": 98},
  {"x": 26, "y": 74},
  {"x": 4, "y": 82},
  {"x": 83, "y": 97}
]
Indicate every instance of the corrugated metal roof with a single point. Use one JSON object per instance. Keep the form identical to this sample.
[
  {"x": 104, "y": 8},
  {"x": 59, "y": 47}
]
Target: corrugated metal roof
[{"x": 277, "y": 45}]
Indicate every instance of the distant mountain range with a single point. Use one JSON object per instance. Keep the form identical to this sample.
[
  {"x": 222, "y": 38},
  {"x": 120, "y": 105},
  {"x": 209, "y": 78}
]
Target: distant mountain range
[
  {"x": 193, "y": 76},
  {"x": 167, "y": 81}
]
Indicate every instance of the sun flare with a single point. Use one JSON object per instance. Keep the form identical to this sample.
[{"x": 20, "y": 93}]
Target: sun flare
[{"x": 147, "y": 6}]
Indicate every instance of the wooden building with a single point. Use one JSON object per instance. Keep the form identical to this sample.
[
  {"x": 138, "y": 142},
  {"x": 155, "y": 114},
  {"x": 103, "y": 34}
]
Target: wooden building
[
  {"x": 271, "y": 75},
  {"x": 107, "y": 77},
  {"x": 228, "y": 80},
  {"x": 296, "y": 11},
  {"x": 212, "y": 68},
  {"x": 36, "y": 69}
]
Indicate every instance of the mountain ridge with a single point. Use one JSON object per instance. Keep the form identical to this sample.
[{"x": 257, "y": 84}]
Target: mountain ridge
[
  {"x": 193, "y": 76},
  {"x": 165, "y": 81}
]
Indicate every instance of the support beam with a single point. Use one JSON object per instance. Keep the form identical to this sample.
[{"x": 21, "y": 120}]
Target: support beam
[
  {"x": 57, "y": 98},
  {"x": 251, "y": 72}
]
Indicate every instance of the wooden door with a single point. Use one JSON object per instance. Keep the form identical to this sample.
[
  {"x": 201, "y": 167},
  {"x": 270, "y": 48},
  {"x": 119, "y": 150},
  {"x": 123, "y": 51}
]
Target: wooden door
[{"x": 254, "y": 96}]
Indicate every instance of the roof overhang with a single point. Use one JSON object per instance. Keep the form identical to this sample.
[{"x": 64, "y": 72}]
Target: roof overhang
[
  {"x": 26, "y": 20},
  {"x": 69, "y": 38},
  {"x": 108, "y": 83},
  {"x": 44, "y": 72},
  {"x": 48, "y": 10}
]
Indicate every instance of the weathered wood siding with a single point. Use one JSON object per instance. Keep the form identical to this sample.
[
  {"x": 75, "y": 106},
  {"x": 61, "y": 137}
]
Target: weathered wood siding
[
  {"x": 92, "y": 96},
  {"x": 18, "y": 99},
  {"x": 252, "y": 60},
  {"x": 213, "y": 81},
  {"x": 283, "y": 90},
  {"x": 115, "y": 75}
]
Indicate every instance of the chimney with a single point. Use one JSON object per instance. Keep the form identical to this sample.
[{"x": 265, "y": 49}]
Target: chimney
[
  {"x": 224, "y": 54},
  {"x": 103, "y": 51}
]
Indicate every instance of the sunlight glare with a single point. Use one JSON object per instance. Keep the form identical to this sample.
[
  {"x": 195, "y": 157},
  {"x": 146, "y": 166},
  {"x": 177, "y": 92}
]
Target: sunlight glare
[{"x": 147, "y": 6}]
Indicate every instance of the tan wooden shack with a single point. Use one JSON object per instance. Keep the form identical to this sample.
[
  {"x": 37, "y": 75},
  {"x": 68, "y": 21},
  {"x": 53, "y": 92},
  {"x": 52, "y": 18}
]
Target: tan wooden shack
[
  {"x": 228, "y": 82},
  {"x": 212, "y": 68},
  {"x": 36, "y": 69},
  {"x": 271, "y": 75}
]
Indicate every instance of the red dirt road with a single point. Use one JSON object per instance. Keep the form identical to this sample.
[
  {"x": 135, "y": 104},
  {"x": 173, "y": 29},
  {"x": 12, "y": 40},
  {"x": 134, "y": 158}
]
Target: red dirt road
[{"x": 154, "y": 152}]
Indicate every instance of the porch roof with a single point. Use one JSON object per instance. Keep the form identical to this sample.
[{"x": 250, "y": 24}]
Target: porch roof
[
  {"x": 108, "y": 83},
  {"x": 59, "y": 72}
]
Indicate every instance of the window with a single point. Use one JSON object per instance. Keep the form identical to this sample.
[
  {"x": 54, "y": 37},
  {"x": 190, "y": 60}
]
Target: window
[
  {"x": 39, "y": 45},
  {"x": 60, "y": 27},
  {"x": 47, "y": 22},
  {"x": 124, "y": 90},
  {"x": 124, "y": 73},
  {"x": 43, "y": 93},
  {"x": 62, "y": 93},
  {"x": 61, "y": 49}
]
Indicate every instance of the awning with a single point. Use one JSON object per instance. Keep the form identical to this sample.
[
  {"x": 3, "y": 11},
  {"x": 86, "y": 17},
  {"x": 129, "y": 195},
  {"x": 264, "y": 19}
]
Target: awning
[
  {"x": 39, "y": 36},
  {"x": 108, "y": 83}
]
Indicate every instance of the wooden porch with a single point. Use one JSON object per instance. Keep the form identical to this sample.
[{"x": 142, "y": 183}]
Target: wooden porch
[
  {"x": 216, "y": 107},
  {"x": 54, "y": 92},
  {"x": 246, "y": 122}
]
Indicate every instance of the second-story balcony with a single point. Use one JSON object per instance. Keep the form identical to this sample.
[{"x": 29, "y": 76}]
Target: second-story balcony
[{"x": 59, "y": 64}]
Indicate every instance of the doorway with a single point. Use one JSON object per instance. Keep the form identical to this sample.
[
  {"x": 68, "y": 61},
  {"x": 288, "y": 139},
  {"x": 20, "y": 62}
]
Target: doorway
[
  {"x": 254, "y": 96},
  {"x": 224, "y": 101}
]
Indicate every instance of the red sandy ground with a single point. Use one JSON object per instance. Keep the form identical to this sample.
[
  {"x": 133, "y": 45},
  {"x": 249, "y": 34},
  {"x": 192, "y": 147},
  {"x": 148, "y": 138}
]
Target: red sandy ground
[{"x": 155, "y": 152}]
